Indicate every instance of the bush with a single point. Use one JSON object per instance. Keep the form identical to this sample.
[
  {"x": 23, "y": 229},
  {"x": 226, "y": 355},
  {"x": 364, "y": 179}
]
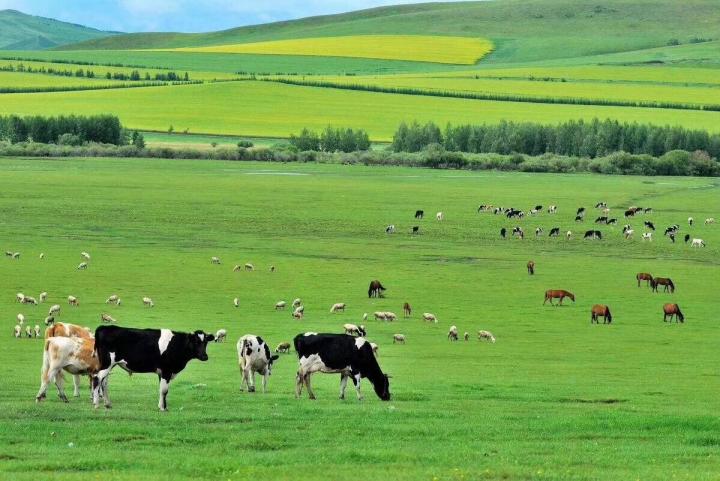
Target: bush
[
  {"x": 69, "y": 139},
  {"x": 245, "y": 144}
]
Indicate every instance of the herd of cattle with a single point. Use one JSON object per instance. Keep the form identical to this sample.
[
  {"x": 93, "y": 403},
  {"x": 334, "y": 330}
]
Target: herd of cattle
[{"x": 80, "y": 351}]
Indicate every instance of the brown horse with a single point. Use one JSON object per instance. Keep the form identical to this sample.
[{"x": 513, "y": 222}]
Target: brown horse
[
  {"x": 376, "y": 289},
  {"x": 662, "y": 281},
  {"x": 407, "y": 310},
  {"x": 531, "y": 267},
  {"x": 554, "y": 294},
  {"x": 600, "y": 310},
  {"x": 672, "y": 310},
  {"x": 644, "y": 276}
]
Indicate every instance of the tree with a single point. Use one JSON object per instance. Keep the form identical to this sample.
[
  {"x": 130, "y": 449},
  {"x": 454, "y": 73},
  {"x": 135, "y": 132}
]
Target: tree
[{"x": 138, "y": 140}]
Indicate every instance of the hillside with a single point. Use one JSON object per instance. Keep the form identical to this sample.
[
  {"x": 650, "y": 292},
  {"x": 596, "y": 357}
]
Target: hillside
[
  {"x": 522, "y": 30},
  {"x": 19, "y": 31}
]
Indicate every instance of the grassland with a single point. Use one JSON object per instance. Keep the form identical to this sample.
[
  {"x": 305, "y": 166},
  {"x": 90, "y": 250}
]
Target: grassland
[
  {"x": 32, "y": 80},
  {"x": 266, "y": 109},
  {"x": 554, "y": 399},
  {"x": 418, "y": 48}
]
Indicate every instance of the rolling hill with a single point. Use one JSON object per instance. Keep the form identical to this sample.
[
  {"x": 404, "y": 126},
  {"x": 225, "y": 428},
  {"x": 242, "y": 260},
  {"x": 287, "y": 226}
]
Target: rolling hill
[
  {"x": 522, "y": 30},
  {"x": 19, "y": 31}
]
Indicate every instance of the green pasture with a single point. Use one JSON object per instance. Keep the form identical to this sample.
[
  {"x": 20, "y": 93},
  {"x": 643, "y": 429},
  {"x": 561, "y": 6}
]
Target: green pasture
[
  {"x": 556, "y": 398},
  {"x": 33, "y": 80}
]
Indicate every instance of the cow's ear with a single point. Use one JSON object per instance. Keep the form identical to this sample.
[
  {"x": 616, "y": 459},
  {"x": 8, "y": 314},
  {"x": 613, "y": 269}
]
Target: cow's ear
[
  {"x": 274, "y": 357},
  {"x": 209, "y": 337}
]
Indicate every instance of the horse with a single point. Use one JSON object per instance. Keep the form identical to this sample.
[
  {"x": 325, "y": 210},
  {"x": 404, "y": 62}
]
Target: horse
[
  {"x": 375, "y": 289},
  {"x": 561, "y": 294},
  {"x": 644, "y": 276},
  {"x": 600, "y": 310},
  {"x": 672, "y": 310},
  {"x": 503, "y": 232},
  {"x": 531, "y": 267},
  {"x": 662, "y": 281},
  {"x": 407, "y": 310}
]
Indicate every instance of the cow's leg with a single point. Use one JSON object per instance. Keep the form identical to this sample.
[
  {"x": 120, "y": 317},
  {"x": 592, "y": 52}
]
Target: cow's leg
[
  {"x": 164, "y": 387},
  {"x": 343, "y": 385},
  {"x": 45, "y": 378},
  {"x": 311, "y": 394},
  {"x": 76, "y": 385},
  {"x": 298, "y": 384},
  {"x": 60, "y": 383},
  {"x": 100, "y": 389},
  {"x": 266, "y": 374},
  {"x": 356, "y": 382},
  {"x": 250, "y": 377}
]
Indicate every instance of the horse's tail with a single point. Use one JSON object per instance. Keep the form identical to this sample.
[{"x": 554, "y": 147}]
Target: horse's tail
[
  {"x": 672, "y": 286},
  {"x": 609, "y": 316}
]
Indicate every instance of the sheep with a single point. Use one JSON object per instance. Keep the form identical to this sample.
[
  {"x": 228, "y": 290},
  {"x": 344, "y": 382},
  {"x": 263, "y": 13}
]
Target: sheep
[
  {"x": 486, "y": 335},
  {"x": 440, "y": 216},
  {"x": 466, "y": 336},
  {"x": 453, "y": 333},
  {"x": 710, "y": 220},
  {"x": 18, "y": 331},
  {"x": 568, "y": 235},
  {"x": 365, "y": 317},
  {"x": 37, "y": 330},
  {"x": 399, "y": 338},
  {"x": 19, "y": 297},
  {"x": 21, "y": 319},
  {"x": 237, "y": 268},
  {"x": 249, "y": 267},
  {"x": 43, "y": 296},
  {"x": 690, "y": 221},
  {"x": 379, "y": 316},
  {"x": 272, "y": 268},
  {"x": 697, "y": 243},
  {"x": 107, "y": 318},
  {"x": 49, "y": 320},
  {"x": 390, "y": 316},
  {"x": 148, "y": 302},
  {"x": 283, "y": 347},
  {"x": 30, "y": 300},
  {"x": 354, "y": 330},
  {"x": 215, "y": 260},
  {"x": 85, "y": 256},
  {"x": 220, "y": 335},
  {"x": 427, "y": 316},
  {"x": 280, "y": 305},
  {"x": 340, "y": 306},
  {"x": 112, "y": 299},
  {"x": 296, "y": 303},
  {"x": 16, "y": 255},
  {"x": 82, "y": 266},
  {"x": 236, "y": 302},
  {"x": 42, "y": 255},
  {"x": 374, "y": 348},
  {"x": 73, "y": 301},
  {"x": 28, "y": 331},
  {"x": 298, "y": 314}
]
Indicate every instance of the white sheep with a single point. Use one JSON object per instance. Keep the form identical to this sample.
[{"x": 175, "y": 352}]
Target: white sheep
[
  {"x": 365, "y": 317},
  {"x": 30, "y": 300},
  {"x": 236, "y": 302},
  {"x": 54, "y": 309},
  {"x": 43, "y": 296},
  {"x": 249, "y": 267},
  {"x": 710, "y": 220},
  {"x": 440, "y": 216},
  {"x": 85, "y": 256},
  {"x": 430, "y": 317},
  {"x": 19, "y": 297},
  {"x": 697, "y": 243},
  {"x": 379, "y": 316},
  {"x": 296, "y": 303},
  {"x": 220, "y": 335},
  {"x": 112, "y": 299},
  {"x": 73, "y": 301},
  {"x": 354, "y": 330},
  {"x": 42, "y": 255},
  {"x": 568, "y": 235},
  {"x": 28, "y": 331},
  {"x": 107, "y": 318},
  {"x": 148, "y": 302},
  {"x": 280, "y": 305},
  {"x": 298, "y": 313},
  {"x": 37, "y": 330},
  {"x": 390, "y": 316},
  {"x": 399, "y": 338},
  {"x": 21, "y": 319},
  {"x": 18, "y": 331},
  {"x": 340, "y": 306},
  {"x": 82, "y": 266},
  {"x": 486, "y": 335},
  {"x": 453, "y": 333},
  {"x": 215, "y": 260}
]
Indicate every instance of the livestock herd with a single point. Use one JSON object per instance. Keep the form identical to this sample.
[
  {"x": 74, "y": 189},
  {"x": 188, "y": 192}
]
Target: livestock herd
[{"x": 80, "y": 351}]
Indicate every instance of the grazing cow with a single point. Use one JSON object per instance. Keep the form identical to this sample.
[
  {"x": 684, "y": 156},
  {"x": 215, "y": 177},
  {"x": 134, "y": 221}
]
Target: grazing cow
[
  {"x": 644, "y": 276},
  {"x": 254, "y": 356},
  {"x": 579, "y": 218},
  {"x": 415, "y": 229},
  {"x": 340, "y": 306},
  {"x": 407, "y": 310},
  {"x": 538, "y": 207},
  {"x": 419, "y": 214},
  {"x": 593, "y": 234},
  {"x": 107, "y": 318},
  {"x": 601, "y": 220},
  {"x": 538, "y": 231},
  {"x": 687, "y": 238},
  {"x": 710, "y": 220},
  {"x": 670, "y": 310},
  {"x": 697, "y": 243},
  {"x": 338, "y": 353},
  {"x": 236, "y": 302},
  {"x": 503, "y": 232},
  {"x": 517, "y": 231},
  {"x": 160, "y": 351},
  {"x": 220, "y": 335},
  {"x": 215, "y": 260},
  {"x": 147, "y": 302},
  {"x": 354, "y": 330},
  {"x": 690, "y": 221},
  {"x": 486, "y": 335},
  {"x": 440, "y": 216},
  {"x": 72, "y": 354},
  {"x": 628, "y": 233},
  {"x": 649, "y": 225},
  {"x": 672, "y": 237},
  {"x": 533, "y": 212},
  {"x": 601, "y": 205},
  {"x": 531, "y": 267},
  {"x": 647, "y": 236},
  {"x": 580, "y": 211},
  {"x": 666, "y": 282},
  {"x": 19, "y": 297},
  {"x": 515, "y": 213},
  {"x": 427, "y": 316},
  {"x": 453, "y": 333},
  {"x": 112, "y": 299},
  {"x": 399, "y": 338},
  {"x": 390, "y": 229},
  {"x": 629, "y": 213},
  {"x": 280, "y": 305},
  {"x": 283, "y": 347},
  {"x": 376, "y": 289},
  {"x": 73, "y": 301},
  {"x": 379, "y": 316},
  {"x": 552, "y": 209},
  {"x": 8, "y": 254},
  {"x": 554, "y": 294},
  {"x": 611, "y": 221},
  {"x": 600, "y": 310},
  {"x": 82, "y": 266},
  {"x": 554, "y": 232}
]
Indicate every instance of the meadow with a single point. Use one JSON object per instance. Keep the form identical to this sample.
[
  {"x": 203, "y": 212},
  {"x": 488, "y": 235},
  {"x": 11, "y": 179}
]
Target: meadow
[
  {"x": 32, "y": 80},
  {"x": 556, "y": 398}
]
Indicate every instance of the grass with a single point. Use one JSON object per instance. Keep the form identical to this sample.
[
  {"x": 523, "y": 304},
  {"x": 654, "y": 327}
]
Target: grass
[
  {"x": 418, "y": 48},
  {"x": 265, "y": 109},
  {"x": 33, "y": 80},
  {"x": 203, "y": 142},
  {"x": 637, "y": 396}
]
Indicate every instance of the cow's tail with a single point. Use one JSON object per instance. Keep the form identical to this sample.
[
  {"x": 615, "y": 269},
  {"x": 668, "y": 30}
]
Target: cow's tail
[{"x": 46, "y": 361}]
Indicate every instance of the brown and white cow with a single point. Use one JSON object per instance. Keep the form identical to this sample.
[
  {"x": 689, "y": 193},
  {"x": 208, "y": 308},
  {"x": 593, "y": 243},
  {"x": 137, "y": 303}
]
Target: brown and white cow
[{"x": 72, "y": 354}]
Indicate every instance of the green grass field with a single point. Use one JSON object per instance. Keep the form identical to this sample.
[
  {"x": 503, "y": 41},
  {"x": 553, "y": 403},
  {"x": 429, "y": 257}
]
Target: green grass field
[
  {"x": 33, "y": 80},
  {"x": 554, "y": 399}
]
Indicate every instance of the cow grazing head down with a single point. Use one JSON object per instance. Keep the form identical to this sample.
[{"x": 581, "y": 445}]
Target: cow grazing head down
[
  {"x": 382, "y": 387},
  {"x": 198, "y": 342}
]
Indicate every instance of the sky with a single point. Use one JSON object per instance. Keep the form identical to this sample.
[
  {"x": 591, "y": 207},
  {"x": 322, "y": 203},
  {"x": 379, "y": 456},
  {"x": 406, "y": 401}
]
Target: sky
[{"x": 184, "y": 15}]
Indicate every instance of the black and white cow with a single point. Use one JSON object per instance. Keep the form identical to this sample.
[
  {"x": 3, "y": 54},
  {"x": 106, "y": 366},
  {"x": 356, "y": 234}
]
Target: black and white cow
[
  {"x": 555, "y": 231},
  {"x": 254, "y": 356},
  {"x": 593, "y": 234},
  {"x": 159, "y": 351},
  {"x": 351, "y": 357}
]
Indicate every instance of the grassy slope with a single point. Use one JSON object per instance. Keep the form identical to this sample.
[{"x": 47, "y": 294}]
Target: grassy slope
[
  {"x": 27, "y": 32},
  {"x": 31, "y": 80},
  {"x": 523, "y": 30},
  {"x": 529, "y": 407},
  {"x": 257, "y": 108}
]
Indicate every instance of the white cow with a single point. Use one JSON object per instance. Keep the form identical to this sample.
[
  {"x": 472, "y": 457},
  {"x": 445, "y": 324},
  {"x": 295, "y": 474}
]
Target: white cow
[
  {"x": 254, "y": 356},
  {"x": 390, "y": 229},
  {"x": 647, "y": 236},
  {"x": 697, "y": 243}
]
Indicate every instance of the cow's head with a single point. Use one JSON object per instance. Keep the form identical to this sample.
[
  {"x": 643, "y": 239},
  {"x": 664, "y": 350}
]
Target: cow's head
[
  {"x": 271, "y": 358},
  {"x": 198, "y": 342},
  {"x": 382, "y": 387}
]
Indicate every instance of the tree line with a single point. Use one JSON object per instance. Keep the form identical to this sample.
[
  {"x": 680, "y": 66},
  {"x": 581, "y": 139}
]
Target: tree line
[
  {"x": 135, "y": 75},
  {"x": 575, "y": 138},
  {"x": 331, "y": 140},
  {"x": 70, "y": 130}
]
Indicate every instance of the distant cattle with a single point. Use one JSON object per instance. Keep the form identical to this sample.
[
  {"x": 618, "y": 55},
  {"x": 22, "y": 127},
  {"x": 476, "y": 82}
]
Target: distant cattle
[
  {"x": 254, "y": 357},
  {"x": 390, "y": 229},
  {"x": 710, "y": 220},
  {"x": 649, "y": 225},
  {"x": 554, "y": 232},
  {"x": 349, "y": 356},
  {"x": 611, "y": 222},
  {"x": 440, "y": 216},
  {"x": 647, "y": 236},
  {"x": 538, "y": 231},
  {"x": 215, "y": 260},
  {"x": 690, "y": 221},
  {"x": 415, "y": 229},
  {"x": 160, "y": 351},
  {"x": 552, "y": 209},
  {"x": 580, "y": 211},
  {"x": 601, "y": 220},
  {"x": 419, "y": 214},
  {"x": 601, "y": 205},
  {"x": 579, "y": 218},
  {"x": 503, "y": 232},
  {"x": 376, "y": 289},
  {"x": 593, "y": 234}
]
